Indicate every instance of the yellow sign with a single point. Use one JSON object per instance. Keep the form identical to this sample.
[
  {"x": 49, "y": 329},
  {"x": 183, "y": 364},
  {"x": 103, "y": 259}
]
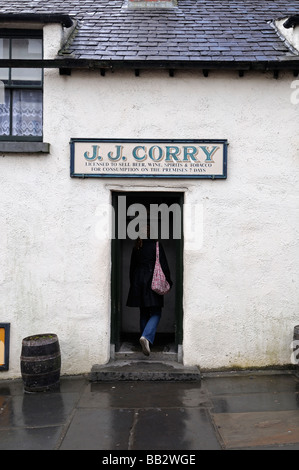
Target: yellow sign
[{"x": 2, "y": 346}]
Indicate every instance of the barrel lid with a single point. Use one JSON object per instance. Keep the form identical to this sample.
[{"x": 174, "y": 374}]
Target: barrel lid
[{"x": 40, "y": 338}]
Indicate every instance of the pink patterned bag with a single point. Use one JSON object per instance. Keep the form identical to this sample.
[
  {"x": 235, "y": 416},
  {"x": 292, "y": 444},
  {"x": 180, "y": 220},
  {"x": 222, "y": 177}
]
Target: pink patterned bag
[{"x": 159, "y": 282}]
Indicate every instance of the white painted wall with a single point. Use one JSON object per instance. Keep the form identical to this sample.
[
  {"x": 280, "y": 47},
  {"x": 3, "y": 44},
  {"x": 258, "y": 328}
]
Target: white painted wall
[{"x": 240, "y": 284}]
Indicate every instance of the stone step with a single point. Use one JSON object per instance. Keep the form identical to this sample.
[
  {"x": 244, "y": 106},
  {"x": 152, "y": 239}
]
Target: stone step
[
  {"x": 139, "y": 356},
  {"x": 145, "y": 370},
  {"x": 161, "y": 351}
]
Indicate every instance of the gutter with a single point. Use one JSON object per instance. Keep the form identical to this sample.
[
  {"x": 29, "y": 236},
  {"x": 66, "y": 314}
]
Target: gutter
[
  {"x": 65, "y": 20},
  {"x": 68, "y": 64}
]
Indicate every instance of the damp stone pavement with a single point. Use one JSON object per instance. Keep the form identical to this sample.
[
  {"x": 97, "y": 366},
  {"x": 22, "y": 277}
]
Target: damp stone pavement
[{"x": 222, "y": 411}]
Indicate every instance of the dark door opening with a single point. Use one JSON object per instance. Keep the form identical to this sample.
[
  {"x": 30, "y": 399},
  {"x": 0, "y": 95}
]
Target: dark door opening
[{"x": 125, "y": 320}]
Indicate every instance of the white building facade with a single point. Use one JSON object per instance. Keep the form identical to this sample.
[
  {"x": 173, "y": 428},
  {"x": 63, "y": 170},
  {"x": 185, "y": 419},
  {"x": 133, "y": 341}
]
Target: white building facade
[{"x": 236, "y": 268}]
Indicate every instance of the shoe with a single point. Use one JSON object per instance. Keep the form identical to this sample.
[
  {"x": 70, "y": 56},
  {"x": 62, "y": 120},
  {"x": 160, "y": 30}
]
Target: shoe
[{"x": 145, "y": 345}]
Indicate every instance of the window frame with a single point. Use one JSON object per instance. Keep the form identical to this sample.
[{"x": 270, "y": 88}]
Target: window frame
[{"x": 8, "y": 85}]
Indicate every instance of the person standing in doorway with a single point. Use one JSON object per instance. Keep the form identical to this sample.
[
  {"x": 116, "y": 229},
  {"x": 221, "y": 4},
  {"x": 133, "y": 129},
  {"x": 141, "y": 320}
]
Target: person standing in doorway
[{"x": 140, "y": 294}]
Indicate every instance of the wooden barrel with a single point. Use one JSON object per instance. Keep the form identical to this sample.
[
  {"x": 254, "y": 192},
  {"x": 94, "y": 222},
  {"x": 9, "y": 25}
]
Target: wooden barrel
[
  {"x": 295, "y": 355},
  {"x": 40, "y": 362}
]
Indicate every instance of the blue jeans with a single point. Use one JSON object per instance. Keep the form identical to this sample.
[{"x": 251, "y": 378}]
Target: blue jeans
[{"x": 149, "y": 320}]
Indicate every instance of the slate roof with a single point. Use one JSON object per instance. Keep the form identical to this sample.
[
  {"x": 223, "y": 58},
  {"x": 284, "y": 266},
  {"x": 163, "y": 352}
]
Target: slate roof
[{"x": 195, "y": 30}]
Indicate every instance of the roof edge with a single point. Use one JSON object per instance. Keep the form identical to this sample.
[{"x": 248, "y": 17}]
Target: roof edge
[
  {"x": 288, "y": 63},
  {"x": 65, "y": 20}
]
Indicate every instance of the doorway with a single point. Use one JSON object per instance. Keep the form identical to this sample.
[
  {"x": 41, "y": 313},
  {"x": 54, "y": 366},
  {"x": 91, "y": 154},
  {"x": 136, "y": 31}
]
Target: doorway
[{"x": 168, "y": 215}]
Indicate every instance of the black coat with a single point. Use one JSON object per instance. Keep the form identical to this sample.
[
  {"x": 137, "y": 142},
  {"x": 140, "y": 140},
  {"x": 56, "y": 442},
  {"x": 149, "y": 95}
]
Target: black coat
[{"x": 141, "y": 273}]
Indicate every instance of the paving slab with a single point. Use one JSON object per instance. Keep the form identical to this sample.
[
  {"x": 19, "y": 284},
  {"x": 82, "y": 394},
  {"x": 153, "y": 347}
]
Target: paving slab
[
  {"x": 99, "y": 429},
  {"x": 255, "y": 410},
  {"x": 30, "y": 438},
  {"x": 258, "y": 428},
  {"x": 174, "y": 429},
  {"x": 146, "y": 395}
]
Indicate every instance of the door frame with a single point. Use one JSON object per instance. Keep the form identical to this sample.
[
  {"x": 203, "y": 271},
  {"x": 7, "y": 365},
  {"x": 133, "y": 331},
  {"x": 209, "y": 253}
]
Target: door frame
[{"x": 116, "y": 276}]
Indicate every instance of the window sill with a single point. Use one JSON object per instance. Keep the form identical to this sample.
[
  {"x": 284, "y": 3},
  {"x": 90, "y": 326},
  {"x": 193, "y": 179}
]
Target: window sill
[{"x": 24, "y": 147}]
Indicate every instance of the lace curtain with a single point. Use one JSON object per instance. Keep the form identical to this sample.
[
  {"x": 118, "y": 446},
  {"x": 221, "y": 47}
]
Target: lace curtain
[
  {"x": 27, "y": 113},
  {"x": 4, "y": 113}
]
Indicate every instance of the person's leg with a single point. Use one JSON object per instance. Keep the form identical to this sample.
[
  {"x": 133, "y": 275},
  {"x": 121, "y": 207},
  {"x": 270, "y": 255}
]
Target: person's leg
[
  {"x": 144, "y": 317},
  {"x": 150, "y": 326}
]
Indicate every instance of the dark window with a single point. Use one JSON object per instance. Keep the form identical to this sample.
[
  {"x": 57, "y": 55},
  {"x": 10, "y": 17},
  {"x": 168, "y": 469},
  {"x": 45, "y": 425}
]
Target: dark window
[{"x": 21, "y": 89}]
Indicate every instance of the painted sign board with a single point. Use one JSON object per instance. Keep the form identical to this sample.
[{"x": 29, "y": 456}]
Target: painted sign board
[{"x": 149, "y": 158}]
